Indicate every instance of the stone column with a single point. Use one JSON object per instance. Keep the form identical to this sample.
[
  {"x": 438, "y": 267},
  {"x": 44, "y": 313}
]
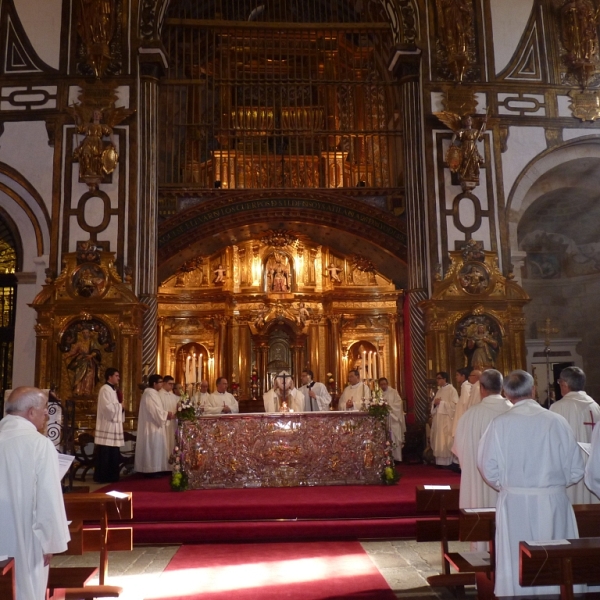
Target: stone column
[
  {"x": 405, "y": 65},
  {"x": 147, "y": 218}
]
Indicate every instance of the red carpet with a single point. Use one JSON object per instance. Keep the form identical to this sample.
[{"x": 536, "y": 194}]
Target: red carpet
[
  {"x": 274, "y": 514},
  {"x": 294, "y": 571}
]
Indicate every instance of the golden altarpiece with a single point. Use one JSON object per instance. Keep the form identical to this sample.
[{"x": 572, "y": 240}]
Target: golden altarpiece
[
  {"x": 475, "y": 315},
  {"x": 277, "y": 302},
  {"x": 88, "y": 319}
]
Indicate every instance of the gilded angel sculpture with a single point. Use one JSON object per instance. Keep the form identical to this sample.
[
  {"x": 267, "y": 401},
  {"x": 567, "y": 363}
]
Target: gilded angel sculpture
[
  {"x": 96, "y": 158},
  {"x": 463, "y": 156}
]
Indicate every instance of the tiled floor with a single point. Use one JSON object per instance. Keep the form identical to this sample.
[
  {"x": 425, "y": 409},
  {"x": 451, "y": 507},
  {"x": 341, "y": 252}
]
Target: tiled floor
[{"x": 404, "y": 564}]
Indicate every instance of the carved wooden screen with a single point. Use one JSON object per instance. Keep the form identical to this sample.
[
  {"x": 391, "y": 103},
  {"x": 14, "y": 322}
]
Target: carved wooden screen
[{"x": 278, "y": 95}]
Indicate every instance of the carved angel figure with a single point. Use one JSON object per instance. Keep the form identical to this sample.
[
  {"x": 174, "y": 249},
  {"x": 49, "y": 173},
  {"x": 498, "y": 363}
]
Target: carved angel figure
[
  {"x": 463, "y": 156},
  {"x": 95, "y": 158}
]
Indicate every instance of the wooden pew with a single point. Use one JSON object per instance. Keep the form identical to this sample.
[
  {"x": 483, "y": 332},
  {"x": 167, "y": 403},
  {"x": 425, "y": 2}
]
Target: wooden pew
[
  {"x": 563, "y": 565},
  {"x": 444, "y": 528},
  {"x": 8, "y": 586},
  {"x": 98, "y": 509}
]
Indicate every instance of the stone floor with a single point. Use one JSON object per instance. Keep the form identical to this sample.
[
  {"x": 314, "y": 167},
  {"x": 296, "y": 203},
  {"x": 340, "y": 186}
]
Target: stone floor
[{"x": 405, "y": 564}]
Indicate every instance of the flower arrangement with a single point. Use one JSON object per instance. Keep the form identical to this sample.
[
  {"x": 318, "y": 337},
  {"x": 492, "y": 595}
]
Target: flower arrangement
[
  {"x": 185, "y": 409},
  {"x": 179, "y": 478},
  {"x": 389, "y": 475},
  {"x": 378, "y": 408}
]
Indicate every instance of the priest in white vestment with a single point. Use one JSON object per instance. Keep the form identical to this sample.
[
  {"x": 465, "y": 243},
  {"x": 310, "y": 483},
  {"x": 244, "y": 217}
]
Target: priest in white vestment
[
  {"x": 221, "y": 401},
  {"x": 316, "y": 396},
  {"x": 530, "y": 455},
  {"x": 200, "y": 398},
  {"x": 108, "y": 436},
  {"x": 274, "y": 398},
  {"x": 464, "y": 386},
  {"x": 396, "y": 420},
  {"x": 33, "y": 523},
  {"x": 353, "y": 395},
  {"x": 443, "y": 408},
  {"x": 582, "y": 413},
  {"x": 475, "y": 492},
  {"x": 475, "y": 395},
  {"x": 169, "y": 402},
  {"x": 151, "y": 445},
  {"x": 592, "y": 468}
]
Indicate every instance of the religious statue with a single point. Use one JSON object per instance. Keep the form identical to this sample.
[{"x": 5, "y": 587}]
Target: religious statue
[
  {"x": 278, "y": 274},
  {"x": 463, "y": 156},
  {"x": 259, "y": 322},
  {"x": 474, "y": 279},
  {"x": 284, "y": 391},
  {"x": 455, "y": 28},
  {"x": 481, "y": 348},
  {"x": 219, "y": 274},
  {"x": 96, "y": 26},
  {"x": 579, "y": 32},
  {"x": 303, "y": 315},
  {"x": 83, "y": 364},
  {"x": 89, "y": 281},
  {"x": 95, "y": 158},
  {"x": 333, "y": 272}
]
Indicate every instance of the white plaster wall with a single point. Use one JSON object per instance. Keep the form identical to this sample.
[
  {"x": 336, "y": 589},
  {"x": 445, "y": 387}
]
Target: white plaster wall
[
  {"x": 41, "y": 21},
  {"x": 24, "y": 146},
  {"x": 509, "y": 19},
  {"x": 24, "y": 349}
]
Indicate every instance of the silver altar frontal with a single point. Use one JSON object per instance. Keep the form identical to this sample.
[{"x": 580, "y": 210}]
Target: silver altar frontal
[{"x": 282, "y": 449}]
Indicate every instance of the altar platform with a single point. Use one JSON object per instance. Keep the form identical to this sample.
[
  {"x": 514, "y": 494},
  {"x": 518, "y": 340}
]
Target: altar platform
[{"x": 277, "y": 514}]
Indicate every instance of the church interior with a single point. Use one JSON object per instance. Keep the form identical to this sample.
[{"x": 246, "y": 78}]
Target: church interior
[{"x": 210, "y": 188}]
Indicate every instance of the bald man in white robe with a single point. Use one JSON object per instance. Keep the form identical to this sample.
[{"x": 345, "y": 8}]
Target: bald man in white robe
[
  {"x": 582, "y": 413},
  {"x": 33, "y": 523}
]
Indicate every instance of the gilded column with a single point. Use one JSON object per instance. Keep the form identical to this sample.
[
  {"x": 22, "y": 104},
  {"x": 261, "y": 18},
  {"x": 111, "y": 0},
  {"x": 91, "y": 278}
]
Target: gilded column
[
  {"x": 335, "y": 348},
  {"x": 406, "y": 66},
  {"x": 235, "y": 355},
  {"x": 147, "y": 217},
  {"x": 221, "y": 367}
]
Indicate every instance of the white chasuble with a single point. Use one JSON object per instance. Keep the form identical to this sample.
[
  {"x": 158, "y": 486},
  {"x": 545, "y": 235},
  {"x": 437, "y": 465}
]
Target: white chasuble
[
  {"x": 441, "y": 425},
  {"x": 396, "y": 421},
  {"x": 151, "y": 445}
]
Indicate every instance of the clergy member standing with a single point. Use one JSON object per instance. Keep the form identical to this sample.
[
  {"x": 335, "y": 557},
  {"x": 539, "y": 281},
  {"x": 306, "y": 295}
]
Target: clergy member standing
[
  {"x": 273, "y": 399},
  {"x": 582, "y": 413},
  {"x": 169, "y": 403},
  {"x": 353, "y": 395},
  {"x": 200, "y": 398},
  {"x": 221, "y": 401},
  {"x": 316, "y": 396},
  {"x": 397, "y": 422},
  {"x": 33, "y": 524},
  {"x": 530, "y": 455},
  {"x": 475, "y": 492},
  {"x": 475, "y": 396},
  {"x": 442, "y": 412},
  {"x": 592, "y": 468},
  {"x": 463, "y": 404},
  {"x": 151, "y": 446},
  {"x": 108, "y": 437}
]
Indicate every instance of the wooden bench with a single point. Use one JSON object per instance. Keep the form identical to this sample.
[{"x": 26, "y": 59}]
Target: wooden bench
[
  {"x": 8, "y": 585},
  {"x": 98, "y": 509},
  {"x": 564, "y": 565},
  {"x": 444, "y": 528}
]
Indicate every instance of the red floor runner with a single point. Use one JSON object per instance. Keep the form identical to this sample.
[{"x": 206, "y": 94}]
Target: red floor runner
[{"x": 294, "y": 571}]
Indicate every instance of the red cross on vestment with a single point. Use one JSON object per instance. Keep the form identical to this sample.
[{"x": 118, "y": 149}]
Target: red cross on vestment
[{"x": 592, "y": 421}]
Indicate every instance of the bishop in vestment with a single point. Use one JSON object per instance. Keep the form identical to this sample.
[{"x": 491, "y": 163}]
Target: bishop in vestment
[
  {"x": 443, "y": 408},
  {"x": 582, "y": 413},
  {"x": 33, "y": 523},
  {"x": 530, "y": 455},
  {"x": 151, "y": 446},
  {"x": 275, "y": 397}
]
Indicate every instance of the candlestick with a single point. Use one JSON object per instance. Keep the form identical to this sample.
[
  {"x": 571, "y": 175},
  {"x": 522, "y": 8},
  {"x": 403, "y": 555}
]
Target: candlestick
[
  {"x": 375, "y": 357},
  {"x": 364, "y": 365}
]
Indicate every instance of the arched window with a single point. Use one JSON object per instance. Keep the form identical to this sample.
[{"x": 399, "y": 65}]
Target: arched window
[{"x": 9, "y": 261}]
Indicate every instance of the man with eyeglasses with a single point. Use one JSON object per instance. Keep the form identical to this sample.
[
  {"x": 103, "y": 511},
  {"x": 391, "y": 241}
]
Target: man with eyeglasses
[
  {"x": 169, "y": 403},
  {"x": 151, "y": 445},
  {"x": 443, "y": 408},
  {"x": 582, "y": 413}
]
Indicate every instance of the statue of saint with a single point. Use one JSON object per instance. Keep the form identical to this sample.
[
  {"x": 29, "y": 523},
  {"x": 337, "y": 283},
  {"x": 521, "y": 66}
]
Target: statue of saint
[
  {"x": 83, "y": 364},
  {"x": 303, "y": 315},
  {"x": 481, "y": 348},
  {"x": 454, "y": 24}
]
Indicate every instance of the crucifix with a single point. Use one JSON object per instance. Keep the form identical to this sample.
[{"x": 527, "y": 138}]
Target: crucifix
[{"x": 548, "y": 330}]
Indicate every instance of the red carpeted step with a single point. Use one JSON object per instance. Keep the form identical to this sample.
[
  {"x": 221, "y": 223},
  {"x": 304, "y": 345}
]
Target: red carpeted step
[{"x": 267, "y": 531}]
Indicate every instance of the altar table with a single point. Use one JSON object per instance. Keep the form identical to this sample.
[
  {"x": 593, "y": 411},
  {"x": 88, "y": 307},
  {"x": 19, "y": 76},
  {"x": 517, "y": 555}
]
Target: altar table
[{"x": 282, "y": 449}]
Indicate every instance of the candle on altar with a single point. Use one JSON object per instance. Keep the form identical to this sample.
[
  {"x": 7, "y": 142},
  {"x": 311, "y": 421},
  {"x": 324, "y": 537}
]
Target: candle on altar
[
  {"x": 200, "y": 378},
  {"x": 194, "y": 376},
  {"x": 188, "y": 373},
  {"x": 364, "y": 365},
  {"x": 375, "y": 356},
  {"x": 370, "y": 363}
]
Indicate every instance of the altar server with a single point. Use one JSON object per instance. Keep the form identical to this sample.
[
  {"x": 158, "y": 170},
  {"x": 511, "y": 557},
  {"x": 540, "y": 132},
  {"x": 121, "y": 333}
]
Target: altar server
[
  {"x": 151, "y": 446},
  {"x": 33, "y": 524},
  {"x": 316, "y": 396},
  {"x": 274, "y": 398},
  {"x": 200, "y": 398},
  {"x": 353, "y": 395},
  {"x": 396, "y": 421},
  {"x": 221, "y": 401},
  {"x": 582, "y": 414},
  {"x": 530, "y": 455},
  {"x": 169, "y": 402},
  {"x": 464, "y": 385},
  {"x": 442, "y": 413}
]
